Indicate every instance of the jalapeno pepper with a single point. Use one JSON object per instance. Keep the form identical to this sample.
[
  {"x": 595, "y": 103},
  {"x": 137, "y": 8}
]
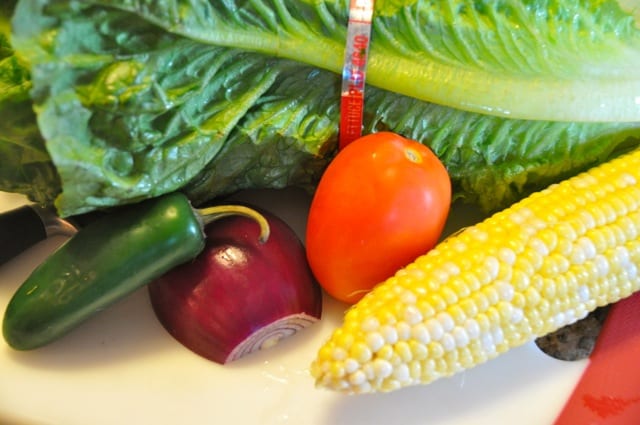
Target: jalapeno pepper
[{"x": 105, "y": 261}]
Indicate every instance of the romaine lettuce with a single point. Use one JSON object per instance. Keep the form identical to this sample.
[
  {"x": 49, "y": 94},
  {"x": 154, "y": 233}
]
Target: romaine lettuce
[
  {"x": 139, "y": 98},
  {"x": 530, "y": 59},
  {"x": 25, "y": 164}
]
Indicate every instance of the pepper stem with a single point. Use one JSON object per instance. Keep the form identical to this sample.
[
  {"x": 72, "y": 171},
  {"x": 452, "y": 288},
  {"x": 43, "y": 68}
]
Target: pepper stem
[{"x": 213, "y": 213}]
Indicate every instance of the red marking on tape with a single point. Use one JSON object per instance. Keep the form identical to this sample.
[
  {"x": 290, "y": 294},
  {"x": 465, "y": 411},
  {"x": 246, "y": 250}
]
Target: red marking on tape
[{"x": 354, "y": 70}]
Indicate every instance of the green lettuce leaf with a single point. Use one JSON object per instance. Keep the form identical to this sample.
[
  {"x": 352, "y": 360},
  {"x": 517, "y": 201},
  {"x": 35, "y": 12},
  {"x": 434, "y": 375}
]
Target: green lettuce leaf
[
  {"x": 136, "y": 99},
  {"x": 25, "y": 166},
  {"x": 571, "y": 60}
]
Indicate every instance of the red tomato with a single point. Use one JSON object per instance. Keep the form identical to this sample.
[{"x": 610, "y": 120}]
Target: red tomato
[{"x": 382, "y": 202}]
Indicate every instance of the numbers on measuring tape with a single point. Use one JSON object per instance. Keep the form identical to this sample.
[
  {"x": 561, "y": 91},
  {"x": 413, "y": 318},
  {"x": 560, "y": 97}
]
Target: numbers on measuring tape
[
  {"x": 354, "y": 70},
  {"x": 354, "y": 75}
]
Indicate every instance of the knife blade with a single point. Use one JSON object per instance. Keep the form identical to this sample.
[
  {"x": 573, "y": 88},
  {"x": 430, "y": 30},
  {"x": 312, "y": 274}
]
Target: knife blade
[{"x": 24, "y": 226}]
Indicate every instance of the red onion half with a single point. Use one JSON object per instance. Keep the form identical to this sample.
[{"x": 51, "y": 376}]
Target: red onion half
[{"x": 239, "y": 295}]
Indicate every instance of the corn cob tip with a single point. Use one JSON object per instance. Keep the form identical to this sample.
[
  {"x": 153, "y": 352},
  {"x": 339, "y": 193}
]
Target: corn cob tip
[
  {"x": 543, "y": 263},
  {"x": 392, "y": 345}
]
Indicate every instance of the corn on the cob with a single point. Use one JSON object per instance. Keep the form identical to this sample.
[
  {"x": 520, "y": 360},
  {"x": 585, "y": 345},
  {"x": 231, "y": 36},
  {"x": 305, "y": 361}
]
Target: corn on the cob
[{"x": 543, "y": 263}]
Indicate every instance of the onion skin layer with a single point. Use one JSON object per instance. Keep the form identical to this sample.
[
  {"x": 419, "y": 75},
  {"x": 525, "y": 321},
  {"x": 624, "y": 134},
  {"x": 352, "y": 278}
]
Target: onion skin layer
[{"x": 221, "y": 304}]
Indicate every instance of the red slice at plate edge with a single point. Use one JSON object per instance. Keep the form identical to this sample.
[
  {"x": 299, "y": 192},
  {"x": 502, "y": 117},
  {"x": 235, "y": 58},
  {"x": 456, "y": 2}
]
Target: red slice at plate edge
[{"x": 609, "y": 389}]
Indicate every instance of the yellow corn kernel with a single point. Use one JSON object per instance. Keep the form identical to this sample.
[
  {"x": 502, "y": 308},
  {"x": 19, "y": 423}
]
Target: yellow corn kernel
[{"x": 569, "y": 249}]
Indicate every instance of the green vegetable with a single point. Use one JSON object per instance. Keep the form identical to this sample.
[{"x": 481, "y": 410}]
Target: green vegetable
[
  {"x": 570, "y": 60},
  {"x": 104, "y": 262},
  {"x": 25, "y": 165},
  {"x": 137, "y": 99}
]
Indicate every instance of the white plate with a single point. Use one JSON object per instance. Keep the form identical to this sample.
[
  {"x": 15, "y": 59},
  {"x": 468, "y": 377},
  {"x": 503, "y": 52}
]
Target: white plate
[{"x": 122, "y": 367}]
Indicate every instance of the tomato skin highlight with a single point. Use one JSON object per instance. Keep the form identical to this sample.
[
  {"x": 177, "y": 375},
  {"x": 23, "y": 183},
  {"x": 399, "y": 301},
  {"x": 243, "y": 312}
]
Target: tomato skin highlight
[{"x": 382, "y": 202}]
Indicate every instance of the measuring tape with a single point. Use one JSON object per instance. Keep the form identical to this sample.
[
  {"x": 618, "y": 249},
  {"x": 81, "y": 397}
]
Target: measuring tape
[{"x": 354, "y": 70}]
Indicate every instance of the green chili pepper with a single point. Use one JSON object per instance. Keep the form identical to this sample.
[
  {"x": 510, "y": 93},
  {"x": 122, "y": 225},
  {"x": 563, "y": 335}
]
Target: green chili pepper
[{"x": 105, "y": 261}]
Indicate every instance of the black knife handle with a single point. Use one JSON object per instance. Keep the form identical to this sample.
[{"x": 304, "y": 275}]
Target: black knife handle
[{"x": 20, "y": 229}]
